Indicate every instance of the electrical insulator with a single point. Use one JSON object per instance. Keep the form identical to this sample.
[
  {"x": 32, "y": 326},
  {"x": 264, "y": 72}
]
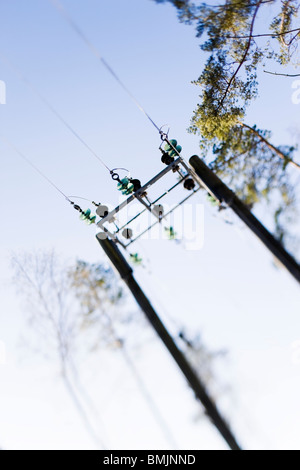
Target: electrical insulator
[
  {"x": 127, "y": 233},
  {"x": 212, "y": 200},
  {"x": 170, "y": 151},
  {"x": 102, "y": 211},
  {"x": 135, "y": 259},
  {"x": 170, "y": 232},
  {"x": 166, "y": 159},
  {"x": 158, "y": 210},
  {"x": 88, "y": 217},
  {"x": 125, "y": 186},
  {"x": 128, "y": 186},
  {"x": 189, "y": 184},
  {"x": 136, "y": 184}
]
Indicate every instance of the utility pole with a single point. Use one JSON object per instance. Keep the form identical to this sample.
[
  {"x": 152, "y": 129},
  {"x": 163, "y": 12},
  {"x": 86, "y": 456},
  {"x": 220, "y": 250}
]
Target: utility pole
[
  {"x": 126, "y": 273},
  {"x": 215, "y": 186}
]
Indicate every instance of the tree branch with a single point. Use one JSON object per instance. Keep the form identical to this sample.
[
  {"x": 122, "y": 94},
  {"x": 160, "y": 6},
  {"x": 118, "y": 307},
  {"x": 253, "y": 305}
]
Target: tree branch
[
  {"x": 270, "y": 146},
  {"x": 244, "y": 56},
  {"x": 282, "y": 74},
  {"x": 284, "y": 16},
  {"x": 273, "y": 35}
]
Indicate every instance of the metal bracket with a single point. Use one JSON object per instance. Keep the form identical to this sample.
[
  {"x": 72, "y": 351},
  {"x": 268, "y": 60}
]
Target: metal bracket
[{"x": 149, "y": 205}]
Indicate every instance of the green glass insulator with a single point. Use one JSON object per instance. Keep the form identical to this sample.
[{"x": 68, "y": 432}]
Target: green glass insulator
[
  {"x": 212, "y": 200},
  {"x": 173, "y": 152},
  {"x": 136, "y": 259},
  {"x": 129, "y": 189},
  {"x": 168, "y": 147},
  {"x": 171, "y": 234},
  {"x": 86, "y": 216},
  {"x": 123, "y": 185}
]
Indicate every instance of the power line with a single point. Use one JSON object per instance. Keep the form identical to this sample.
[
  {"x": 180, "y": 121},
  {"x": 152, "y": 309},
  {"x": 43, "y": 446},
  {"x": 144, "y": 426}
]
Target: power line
[
  {"x": 29, "y": 162},
  {"x": 62, "y": 10},
  {"x": 85, "y": 215},
  {"x": 24, "y": 79}
]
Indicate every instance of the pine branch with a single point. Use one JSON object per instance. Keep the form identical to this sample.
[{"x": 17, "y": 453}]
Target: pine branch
[{"x": 243, "y": 58}]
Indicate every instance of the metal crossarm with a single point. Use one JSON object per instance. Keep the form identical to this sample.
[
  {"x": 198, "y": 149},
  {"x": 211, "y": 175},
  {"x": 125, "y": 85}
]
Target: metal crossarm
[
  {"x": 141, "y": 196},
  {"x": 142, "y": 190},
  {"x": 158, "y": 221}
]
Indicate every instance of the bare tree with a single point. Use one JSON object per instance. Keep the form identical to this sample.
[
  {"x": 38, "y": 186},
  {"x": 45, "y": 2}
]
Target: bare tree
[
  {"x": 53, "y": 314},
  {"x": 65, "y": 302}
]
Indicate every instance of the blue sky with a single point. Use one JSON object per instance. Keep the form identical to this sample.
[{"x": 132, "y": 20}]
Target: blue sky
[{"x": 229, "y": 290}]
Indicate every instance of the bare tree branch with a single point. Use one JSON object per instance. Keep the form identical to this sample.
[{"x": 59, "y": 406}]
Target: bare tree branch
[
  {"x": 282, "y": 74},
  {"x": 272, "y": 35}
]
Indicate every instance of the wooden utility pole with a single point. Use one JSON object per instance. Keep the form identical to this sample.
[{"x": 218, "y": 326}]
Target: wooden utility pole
[
  {"x": 126, "y": 273},
  {"x": 207, "y": 178}
]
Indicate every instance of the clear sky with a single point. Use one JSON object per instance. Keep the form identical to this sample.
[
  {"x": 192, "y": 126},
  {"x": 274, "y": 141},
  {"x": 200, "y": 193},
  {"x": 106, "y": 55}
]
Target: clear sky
[{"x": 229, "y": 289}]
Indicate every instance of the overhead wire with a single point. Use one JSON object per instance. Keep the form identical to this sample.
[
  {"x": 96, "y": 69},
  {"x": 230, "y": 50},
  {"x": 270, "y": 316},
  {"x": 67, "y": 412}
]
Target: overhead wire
[
  {"x": 96, "y": 52},
  {"x": 41, "y": 173},
  {"x": 44, "y": 176},
  {"x": 97, "y": 204},
  {"x": 64, "y": 13},
  {"x": 28, "y": 83},
  {"x": 111, "y": 71},
  {"x": 57, "y": 4}
]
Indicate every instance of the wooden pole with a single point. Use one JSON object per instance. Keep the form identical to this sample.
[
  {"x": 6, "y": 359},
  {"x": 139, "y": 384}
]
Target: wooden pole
[
  {"x": 126, "y": 273},
  {"x": 222, "y": 193}
]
